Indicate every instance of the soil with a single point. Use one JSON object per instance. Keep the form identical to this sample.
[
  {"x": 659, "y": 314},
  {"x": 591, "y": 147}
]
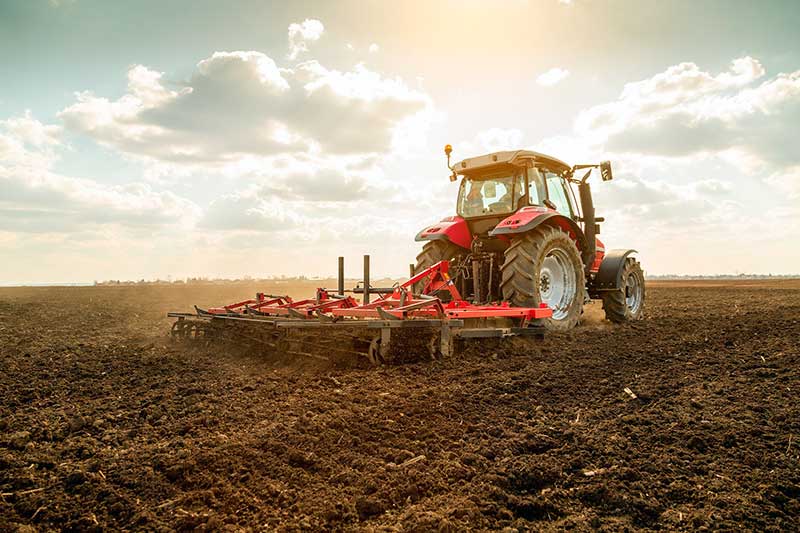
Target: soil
[{"x": 684, "y": 421}]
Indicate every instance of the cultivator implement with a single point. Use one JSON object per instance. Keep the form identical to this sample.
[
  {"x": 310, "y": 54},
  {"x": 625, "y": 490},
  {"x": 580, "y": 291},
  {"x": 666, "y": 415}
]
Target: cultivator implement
[{"x": 423, "y": 317}]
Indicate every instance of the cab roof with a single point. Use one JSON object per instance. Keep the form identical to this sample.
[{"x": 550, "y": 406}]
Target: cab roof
[{"x": 509, "y": 157}]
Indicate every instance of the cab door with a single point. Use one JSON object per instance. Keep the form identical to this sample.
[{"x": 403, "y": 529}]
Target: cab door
[{"x": 558, "y": 194}]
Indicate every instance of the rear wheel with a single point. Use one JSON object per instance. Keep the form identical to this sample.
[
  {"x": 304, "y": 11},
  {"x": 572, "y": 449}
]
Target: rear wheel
[
  {"x": 432, "y": 253},
  {"x": 544, "y": 266},
  {"x": 626, "y": 303}
]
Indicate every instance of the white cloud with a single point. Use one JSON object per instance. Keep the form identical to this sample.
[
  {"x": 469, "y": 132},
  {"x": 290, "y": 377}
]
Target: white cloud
[
  {"x": 240, "y": 104},
  {"x": 250, "y": 210},
  {"x": 496, "y": 139},
  {"x": 30, "y": 131},
  {"x": 373, "y": 48},
  {"x": 787, "y": 181},
  {"x": 552, "y": 77},
  {"x": 310, "y": 30},
  {"x": 685, "y": 111},
  {"x": 37, "y": 199}
]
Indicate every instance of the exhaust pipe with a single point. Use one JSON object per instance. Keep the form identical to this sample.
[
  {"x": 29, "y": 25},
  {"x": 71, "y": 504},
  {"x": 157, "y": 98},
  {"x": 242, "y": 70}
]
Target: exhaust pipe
[{"x": 589, "y": 222}]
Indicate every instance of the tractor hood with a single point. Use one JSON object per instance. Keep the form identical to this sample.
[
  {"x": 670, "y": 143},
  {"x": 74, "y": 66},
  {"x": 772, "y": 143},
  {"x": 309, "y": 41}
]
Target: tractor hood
[{"x": 481, "y": 163}]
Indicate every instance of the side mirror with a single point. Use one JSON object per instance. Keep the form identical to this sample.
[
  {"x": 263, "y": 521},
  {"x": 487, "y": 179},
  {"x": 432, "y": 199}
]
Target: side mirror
[{"x": 605, "y": 171}]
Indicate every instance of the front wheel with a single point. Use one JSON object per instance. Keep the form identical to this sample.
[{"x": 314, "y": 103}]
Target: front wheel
[
  {"x": 627, "y": 302},
  {"x": 544, "y": 266}
]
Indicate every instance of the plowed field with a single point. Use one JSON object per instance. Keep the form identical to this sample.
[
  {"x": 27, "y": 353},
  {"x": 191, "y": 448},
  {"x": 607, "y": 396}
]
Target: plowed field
[{"x": 106, "y": 425}]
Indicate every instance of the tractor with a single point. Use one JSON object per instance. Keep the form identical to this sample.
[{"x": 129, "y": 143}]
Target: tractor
[{"x": 520, "y": 236}]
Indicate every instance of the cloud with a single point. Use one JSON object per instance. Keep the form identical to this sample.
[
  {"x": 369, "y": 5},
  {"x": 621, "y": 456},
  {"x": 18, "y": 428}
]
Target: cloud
[
  {"x": 52, "y": 203},
  {"x": 240, "y": 104},
  {"x": 310, "y": 30},
  {"x": 324, "y": 186},
  {"x": 787, "y": 181},
  {"x": 30, "y": 131},
  {"x": 315, "y": 179},
  {"x": 373, "y": 48},
  {"x": 37, "y": 199},
  {"x": 281, "y": 219},
  {"x": 249, "y": 210},
  {"x": 552, "y": 77},
  {"x": 496, "y": 139},
  {"x": 685, "y": 111}
]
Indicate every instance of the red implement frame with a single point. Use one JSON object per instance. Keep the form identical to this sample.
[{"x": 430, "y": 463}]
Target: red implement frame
[
  {"x": 269, "y": 305},
  {"x": 409, "y": 310},
  {"x": 402, "y": 303}
]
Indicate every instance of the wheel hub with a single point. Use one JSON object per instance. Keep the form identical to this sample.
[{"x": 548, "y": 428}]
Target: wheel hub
[
  {"x": 545, "y": 283},
  {"x": 633, "y": 292},
  {"x": 557, "y": 283}
]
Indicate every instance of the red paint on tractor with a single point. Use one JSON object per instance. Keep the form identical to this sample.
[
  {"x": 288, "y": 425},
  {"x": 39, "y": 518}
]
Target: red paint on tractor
[
  {"x": 523, "y": 216},
  {"x": 529, "y": 214},
  {"x": 599, "y": 254},
  {"x": 453, "y": 228}
]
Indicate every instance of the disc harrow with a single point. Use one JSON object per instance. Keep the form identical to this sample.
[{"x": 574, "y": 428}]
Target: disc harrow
[{"x": 398, "y": 326}]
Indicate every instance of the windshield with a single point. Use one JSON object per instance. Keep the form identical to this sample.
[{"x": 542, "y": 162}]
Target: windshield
[{"x": 488, "y": 195}]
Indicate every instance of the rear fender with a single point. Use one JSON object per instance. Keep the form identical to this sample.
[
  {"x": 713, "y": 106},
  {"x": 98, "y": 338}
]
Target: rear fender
[
  {"x": 531, "y": 217},
  {"x": 453, "y": 229},
  {"x": 609, "y": 277}
]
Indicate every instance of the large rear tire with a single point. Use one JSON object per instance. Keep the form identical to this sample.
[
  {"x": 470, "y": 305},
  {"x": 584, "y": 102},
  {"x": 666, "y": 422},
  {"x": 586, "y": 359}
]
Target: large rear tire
[
  {"x": 433, "y": 252},
  {"x": 544, "y": 265},
  {"x": 626, "y": 303}
]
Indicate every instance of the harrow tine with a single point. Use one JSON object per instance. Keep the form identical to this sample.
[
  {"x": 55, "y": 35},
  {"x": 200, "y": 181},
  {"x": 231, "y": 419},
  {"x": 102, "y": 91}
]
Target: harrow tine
[
  {"x": 386, "y": 315},
  {"x": 328, "y": 319},
  {"x": 295, "y": 313}
]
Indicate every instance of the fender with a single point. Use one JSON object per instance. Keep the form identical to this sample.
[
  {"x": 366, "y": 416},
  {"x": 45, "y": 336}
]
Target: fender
[
  {"x": 530, "y": 217},
  {"x": 453, "y": 229},
  {"x": 609, "y": 277}
]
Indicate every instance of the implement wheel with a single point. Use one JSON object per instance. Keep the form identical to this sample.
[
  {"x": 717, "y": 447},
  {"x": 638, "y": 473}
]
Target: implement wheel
[
  {"x": 544, "y": 266},
  {"x": 432, "y": 253},
  {"x": 627, "y": 302}
]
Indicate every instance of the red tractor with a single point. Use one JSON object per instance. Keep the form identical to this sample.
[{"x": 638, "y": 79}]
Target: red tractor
[{"x": 519, "y": 235}]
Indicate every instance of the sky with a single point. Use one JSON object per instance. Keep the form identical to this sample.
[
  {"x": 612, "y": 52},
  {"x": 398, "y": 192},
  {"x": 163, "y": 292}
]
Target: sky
[{"x": 150, "y": 139}]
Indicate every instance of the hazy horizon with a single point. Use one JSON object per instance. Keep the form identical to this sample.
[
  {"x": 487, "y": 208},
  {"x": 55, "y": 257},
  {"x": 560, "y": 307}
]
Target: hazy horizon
[{"x": 206, "y": 139}]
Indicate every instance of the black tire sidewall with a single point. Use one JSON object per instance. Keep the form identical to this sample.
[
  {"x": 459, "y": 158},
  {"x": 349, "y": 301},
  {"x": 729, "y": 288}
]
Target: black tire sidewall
[
  {"x": 633, "y": 267},
  {"x": 615, "y": 304},
  {"x": 536, "y": 245}
]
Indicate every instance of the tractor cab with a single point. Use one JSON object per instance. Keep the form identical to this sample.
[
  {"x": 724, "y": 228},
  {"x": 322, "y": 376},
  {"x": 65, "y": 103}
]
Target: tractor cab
[
  {"x": 497, "y": 185},
  {"x": 520, "y": 235},
  {"x": 503, "y": 192}
]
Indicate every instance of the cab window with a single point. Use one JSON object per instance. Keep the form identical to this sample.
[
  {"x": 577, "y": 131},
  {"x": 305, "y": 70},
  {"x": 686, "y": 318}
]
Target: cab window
[
  {"x": 557, "y": 194},
  {"x": 498, "y": 194},
  {"x": 536, "y": 192}
]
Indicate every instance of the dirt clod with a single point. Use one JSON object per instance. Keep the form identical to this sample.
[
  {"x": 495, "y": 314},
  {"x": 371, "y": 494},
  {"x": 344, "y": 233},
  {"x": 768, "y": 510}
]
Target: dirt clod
[{"x": 19, "y": 439}]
